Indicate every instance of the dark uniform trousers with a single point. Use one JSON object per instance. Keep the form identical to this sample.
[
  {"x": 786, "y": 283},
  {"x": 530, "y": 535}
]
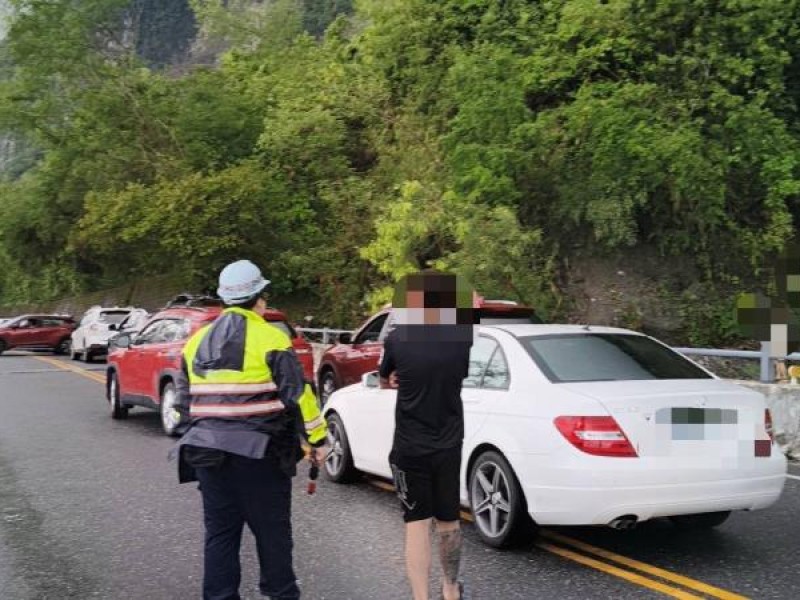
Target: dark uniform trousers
[{"x": 243, "y": 490}]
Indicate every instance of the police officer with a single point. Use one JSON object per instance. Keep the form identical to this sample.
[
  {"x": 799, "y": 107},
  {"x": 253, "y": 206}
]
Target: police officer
[{"x": 242, "y": 401}]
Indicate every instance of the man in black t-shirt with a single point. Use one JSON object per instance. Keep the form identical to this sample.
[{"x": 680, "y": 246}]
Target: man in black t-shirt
[{"x": 426, "y": 357}]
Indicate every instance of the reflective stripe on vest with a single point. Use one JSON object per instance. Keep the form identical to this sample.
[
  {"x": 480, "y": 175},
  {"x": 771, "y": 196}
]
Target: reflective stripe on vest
[
  {"x": 313, "y": 424},
  {"x": 238, "y": 389},
  {"x": 248, "y": 409}
]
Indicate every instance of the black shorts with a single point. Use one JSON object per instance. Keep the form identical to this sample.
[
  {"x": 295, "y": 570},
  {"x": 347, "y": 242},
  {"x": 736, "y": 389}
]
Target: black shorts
[{"x": 428, "y": 485}]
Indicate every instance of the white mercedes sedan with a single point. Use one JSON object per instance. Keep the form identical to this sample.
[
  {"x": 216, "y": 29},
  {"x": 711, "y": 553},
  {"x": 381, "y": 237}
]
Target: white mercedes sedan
[{"x": 579, "y": 425}]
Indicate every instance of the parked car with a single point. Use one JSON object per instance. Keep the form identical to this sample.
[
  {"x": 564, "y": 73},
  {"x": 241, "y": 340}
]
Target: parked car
[
  {"x": 135, "y": 320},
  {"x": 344, "y": 363},
  {"x": 571, "y": 425},
  {"x": 90, "y": 339},
  {"x": 142, "y": 367},
  {"x": 37, "y": 332}
]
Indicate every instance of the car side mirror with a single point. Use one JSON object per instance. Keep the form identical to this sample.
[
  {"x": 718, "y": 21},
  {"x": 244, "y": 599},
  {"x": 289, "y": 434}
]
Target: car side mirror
[
  {"x": 345, "y": 338},
  {"x": 123, "y": 341},
  {"x": 113, "y": 327},
  {"x": 370, "y": 379}
]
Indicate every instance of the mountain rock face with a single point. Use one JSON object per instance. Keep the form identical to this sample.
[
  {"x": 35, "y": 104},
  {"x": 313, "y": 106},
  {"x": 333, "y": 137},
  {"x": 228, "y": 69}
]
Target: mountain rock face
[{"x": 162, "y": 30}]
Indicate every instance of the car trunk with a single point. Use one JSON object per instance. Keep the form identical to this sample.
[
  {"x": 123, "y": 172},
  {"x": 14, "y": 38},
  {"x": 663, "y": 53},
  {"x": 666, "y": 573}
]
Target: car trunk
[{"x": 702, "y": 419}]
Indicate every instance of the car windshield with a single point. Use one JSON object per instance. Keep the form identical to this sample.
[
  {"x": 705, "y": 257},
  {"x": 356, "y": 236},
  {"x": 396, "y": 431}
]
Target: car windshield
[
  {"x": 607, "y": 357},
  {"x": 113, "y": 317}
]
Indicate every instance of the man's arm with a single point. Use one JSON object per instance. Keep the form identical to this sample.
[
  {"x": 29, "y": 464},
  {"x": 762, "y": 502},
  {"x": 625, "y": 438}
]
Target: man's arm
[{"x": 386, "y": 370}]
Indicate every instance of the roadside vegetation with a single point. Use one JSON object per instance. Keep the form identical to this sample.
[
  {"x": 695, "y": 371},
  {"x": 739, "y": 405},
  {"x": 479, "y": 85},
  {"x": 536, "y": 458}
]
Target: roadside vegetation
[{"x": 340, "y": 144}]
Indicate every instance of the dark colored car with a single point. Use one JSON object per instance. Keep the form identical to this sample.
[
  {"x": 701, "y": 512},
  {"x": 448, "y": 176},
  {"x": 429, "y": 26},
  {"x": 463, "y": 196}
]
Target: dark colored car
[
  {"x": 344, "y": 363},
  {"x": 142, "y": 367},
  {"x": 37, "y": 332}
]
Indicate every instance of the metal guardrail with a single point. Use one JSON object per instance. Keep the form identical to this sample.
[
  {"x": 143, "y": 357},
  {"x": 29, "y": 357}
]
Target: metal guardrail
[
  {"x": 767, "y": 373},
  {"x": 324, "y": 334}
]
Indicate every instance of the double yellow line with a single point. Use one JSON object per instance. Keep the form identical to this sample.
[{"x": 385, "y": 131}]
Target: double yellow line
[
  {"x": 68, "y": 367},
  {"x": 631, "y": 570}
]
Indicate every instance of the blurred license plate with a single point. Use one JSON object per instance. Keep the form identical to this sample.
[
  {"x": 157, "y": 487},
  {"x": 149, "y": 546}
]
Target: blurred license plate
[{"x": 699, "y": 423}]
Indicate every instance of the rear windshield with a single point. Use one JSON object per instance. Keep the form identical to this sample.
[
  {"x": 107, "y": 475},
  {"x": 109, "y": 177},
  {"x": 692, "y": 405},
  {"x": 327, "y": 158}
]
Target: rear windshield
[
  {"x": 114, "y": 317},
  {"x": 284, "y": 327},
  {"x": 607, "y": 357}
]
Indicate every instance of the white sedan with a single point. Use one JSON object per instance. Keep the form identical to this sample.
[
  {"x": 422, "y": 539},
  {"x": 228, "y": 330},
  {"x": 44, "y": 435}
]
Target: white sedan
[{"x": 578, "y": 425}]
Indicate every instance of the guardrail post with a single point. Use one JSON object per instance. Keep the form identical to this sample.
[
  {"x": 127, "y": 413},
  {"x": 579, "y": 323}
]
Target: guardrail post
[
  {"x": 766, "y": 363},
  {"x": 325, "y": 336}
]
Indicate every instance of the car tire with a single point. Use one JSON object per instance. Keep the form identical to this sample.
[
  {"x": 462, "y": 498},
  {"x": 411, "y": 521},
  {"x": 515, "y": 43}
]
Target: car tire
[
  {"x": 701, "y": 520},
  {"x": 64, "y": 347},
  {"x": 3, "y": 346},
  {"x": 169, "y": 395},
  {"x": 118, "y": 410},
  {"x": 327, "y": 385},
  {"x": 497, "y": 503},
  {"x": 338, "y": 465}
]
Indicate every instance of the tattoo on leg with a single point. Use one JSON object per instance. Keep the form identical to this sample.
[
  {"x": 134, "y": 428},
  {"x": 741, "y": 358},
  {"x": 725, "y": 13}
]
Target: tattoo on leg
[{"x": 450, "y": 553}]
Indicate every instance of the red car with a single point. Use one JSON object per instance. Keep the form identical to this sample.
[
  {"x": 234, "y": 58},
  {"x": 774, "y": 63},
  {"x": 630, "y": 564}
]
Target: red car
[
  {"x": 37, "y": 332},
  {"x": 142, "y": 368},
  {"x": 359, "y": 353}
]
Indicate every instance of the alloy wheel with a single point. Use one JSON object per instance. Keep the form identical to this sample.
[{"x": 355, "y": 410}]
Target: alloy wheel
[
  {"x": 491, "y": 499},
  {"x": 169, "y": 419}
]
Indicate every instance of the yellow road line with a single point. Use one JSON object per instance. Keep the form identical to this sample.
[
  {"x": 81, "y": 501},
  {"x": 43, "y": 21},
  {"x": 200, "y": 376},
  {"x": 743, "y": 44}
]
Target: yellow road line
[
  {"x": 617, "y": 572},
  {"x": 686, "y": 582},
  {"x": 67, "y": 367}
]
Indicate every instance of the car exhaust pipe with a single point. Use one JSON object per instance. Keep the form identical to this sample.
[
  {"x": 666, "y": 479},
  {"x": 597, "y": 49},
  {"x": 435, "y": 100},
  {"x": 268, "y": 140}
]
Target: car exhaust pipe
[{"x": 624, "y": 522}]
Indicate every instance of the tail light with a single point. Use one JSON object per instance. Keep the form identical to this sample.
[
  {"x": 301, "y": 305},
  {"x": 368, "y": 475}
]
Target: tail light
[
  {"x": 763, "y": 448},
  {"x": 600, "y": 436},
  {"x": 768, "y": 424}
]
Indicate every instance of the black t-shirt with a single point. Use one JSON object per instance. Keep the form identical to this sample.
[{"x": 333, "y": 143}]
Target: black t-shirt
[{"x": 431, "y": 362}]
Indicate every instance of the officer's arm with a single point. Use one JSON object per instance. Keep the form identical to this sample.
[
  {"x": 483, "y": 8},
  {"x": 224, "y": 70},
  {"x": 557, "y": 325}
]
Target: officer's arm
[
  {"x": 183, "y": 399},
  {"x": 287, "y": 373}
]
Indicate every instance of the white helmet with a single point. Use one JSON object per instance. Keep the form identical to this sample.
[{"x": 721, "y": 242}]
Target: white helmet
[{"x": 240, "y": 281}]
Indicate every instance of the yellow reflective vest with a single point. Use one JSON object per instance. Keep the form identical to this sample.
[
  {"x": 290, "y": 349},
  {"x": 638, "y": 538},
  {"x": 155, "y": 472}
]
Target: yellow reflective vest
[{"x": 249, "y": 391}]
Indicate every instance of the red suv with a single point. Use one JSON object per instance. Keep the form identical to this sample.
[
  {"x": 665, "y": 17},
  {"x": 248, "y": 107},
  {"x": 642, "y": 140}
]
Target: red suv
[
  {"x": 37, "y": 332},
  {"x": 359, "y": 353},
  {"x": 142, "y": 368}
]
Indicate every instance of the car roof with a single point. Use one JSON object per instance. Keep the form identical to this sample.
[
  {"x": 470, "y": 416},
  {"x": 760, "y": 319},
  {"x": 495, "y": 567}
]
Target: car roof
[
  {"x": 553, "y": 329},
  {"x": 273, "y": 314}
]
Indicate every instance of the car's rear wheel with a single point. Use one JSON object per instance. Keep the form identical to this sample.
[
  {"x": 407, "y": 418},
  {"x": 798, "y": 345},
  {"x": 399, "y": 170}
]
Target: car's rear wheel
[
  {"x": 64, "y": 346},
  {"x": 496, "y": 500},
  {"x": 118, "y": 410},
  {"x": 701, "y": 520},
  {"x": 327, "y": 385},
  {"x": 169, "y": 417},
  {"x": 339, "y": 463},
  {"x": 3, "y": 346}
]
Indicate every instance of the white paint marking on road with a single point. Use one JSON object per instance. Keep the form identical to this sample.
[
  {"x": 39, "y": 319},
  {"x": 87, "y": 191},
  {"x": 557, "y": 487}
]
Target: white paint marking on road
[{"x": 793, "y": 477}]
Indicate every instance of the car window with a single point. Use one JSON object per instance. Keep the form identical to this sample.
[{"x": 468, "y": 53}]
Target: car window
[
  {"x": 388, "y": 325},
  {"x": 152, "y": 333},
  {"x": 607, "y": 357},
  {"x": 112, "y": 317},
  {"x": 51, "y": 322},
  {"x": 479, "y": 356},
  {"x": 371, "y": 333},
  {"x": 171, "y": 330},
  {"x": 496, "y": 376}
]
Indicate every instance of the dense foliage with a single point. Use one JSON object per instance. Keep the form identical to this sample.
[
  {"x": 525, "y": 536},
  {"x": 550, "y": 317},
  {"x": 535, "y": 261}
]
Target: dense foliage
[{"x": 342, "y": 144}]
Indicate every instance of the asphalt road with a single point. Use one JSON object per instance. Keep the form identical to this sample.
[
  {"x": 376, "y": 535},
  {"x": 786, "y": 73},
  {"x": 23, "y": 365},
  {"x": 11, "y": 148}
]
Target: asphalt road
[{"x": 90, "y": 508}]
